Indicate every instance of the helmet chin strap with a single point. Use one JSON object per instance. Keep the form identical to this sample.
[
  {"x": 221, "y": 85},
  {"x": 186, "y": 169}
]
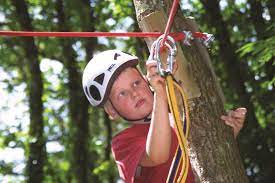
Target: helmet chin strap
[{"x": 146, "y": 119}]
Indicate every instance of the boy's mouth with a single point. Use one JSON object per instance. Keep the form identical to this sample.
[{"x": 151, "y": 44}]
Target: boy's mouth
[{"x": 140, "y": 103}]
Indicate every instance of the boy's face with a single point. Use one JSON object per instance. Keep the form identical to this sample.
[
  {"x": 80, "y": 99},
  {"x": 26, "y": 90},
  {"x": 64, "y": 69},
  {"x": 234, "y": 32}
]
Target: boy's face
[{"x": 131, "y": 96}]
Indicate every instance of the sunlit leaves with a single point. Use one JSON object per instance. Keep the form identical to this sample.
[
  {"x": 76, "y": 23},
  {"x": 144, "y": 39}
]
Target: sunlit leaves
[
  {"x": 261, "y": 51},
  {"x": 105, "y": 169}
]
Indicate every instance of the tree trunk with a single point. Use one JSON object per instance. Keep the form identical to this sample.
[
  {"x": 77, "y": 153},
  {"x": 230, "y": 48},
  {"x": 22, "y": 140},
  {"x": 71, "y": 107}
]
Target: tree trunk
[
  {"x": 78, "y": 106},
  {"x": 256, "y": 14},
  {"x": 37, "y": 151},
  {"x": 88, "y": 25},
  {"x": 227, "y": 51},
  {"x": 213, "y": 152},
  {"x": 271, "y": 7},
  {"x": 261, "y": 28},
  {"x": 240, "y": 72},
  {"x": 258, "y": 22},
  {"x": 234, "y": 68},
  {"x": 140, "y": 45}
]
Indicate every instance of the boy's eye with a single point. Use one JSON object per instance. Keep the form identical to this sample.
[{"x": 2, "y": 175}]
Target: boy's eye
[
  {"x": 122, "y": 94},
  {"x": 136, "y": 83}
]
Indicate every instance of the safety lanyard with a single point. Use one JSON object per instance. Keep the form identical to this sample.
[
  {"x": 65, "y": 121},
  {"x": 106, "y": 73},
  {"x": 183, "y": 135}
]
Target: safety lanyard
[{"x": 181, "y": 158}]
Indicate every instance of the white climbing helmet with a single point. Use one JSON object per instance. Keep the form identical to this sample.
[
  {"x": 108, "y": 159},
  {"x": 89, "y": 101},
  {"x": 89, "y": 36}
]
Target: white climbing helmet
[{"x": 101, "y": 72}]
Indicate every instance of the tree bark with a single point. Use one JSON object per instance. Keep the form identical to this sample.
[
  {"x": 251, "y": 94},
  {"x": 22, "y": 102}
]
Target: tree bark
[
  {"x": 271, "y": 7},
  {"x": 213, "y": 152},
  {"x": 88, "y": 25},
  {"x": 37, "y": 151},
  {"x": 140, "y": 45},
  {"x": 256, "y": 14},
  {"x": 234, "y": 69},
  {"x": 78, "y": 106}
]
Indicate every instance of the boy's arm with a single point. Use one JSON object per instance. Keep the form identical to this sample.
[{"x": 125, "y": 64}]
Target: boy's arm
[
  {"x": 235, "y": 119},
  {"x": 159, "y": 136}
]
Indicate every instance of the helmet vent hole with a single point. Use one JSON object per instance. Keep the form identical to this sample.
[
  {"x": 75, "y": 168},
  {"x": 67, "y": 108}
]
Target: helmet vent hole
[
  {"x": 100, "y": 78},
  {"x": 116, "y": 55},
  {"x": 95, "y": 93}
]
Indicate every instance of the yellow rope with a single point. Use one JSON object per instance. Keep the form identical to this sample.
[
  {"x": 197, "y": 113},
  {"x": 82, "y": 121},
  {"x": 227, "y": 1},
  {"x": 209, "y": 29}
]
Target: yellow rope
[
  {"x": 186, "y": 109},
  {"x": 173, "y": 105},
  {"x": 182, "y": 139}
]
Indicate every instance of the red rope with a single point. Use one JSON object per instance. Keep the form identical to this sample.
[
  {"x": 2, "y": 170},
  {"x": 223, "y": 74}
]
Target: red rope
[
  {"x": 80, "y": 34},
  {"x": 176, "y": 36},
  {"x": 170, "y": 19}
]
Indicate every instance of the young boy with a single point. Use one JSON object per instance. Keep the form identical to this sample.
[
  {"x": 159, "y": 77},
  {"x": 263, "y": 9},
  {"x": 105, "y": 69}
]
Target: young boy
[{"x": 144, "y": 151}]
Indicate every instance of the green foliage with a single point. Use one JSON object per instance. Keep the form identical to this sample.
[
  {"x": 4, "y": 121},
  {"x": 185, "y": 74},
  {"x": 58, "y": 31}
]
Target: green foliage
[
  {"x": 260, "y": 55},
  {"x": 105, "y": 169},
  {"x": 261, "y": 51}
]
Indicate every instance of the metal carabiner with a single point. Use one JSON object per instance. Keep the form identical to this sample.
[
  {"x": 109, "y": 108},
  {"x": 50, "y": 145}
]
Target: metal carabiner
[
  {"x": 188, "y": 36},
  {"x": 209, "y": 38},
  {"x": 171, "y": 45}
]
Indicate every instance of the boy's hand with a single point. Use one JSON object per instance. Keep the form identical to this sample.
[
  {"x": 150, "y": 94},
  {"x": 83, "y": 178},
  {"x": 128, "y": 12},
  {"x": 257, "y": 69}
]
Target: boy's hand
[
  {"x": 235, "y": 119},
  {"x": 156, "y": 81}
]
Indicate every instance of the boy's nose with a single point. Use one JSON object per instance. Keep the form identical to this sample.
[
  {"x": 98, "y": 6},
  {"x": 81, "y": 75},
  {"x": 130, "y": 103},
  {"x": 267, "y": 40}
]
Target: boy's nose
[{"x": 134, "y": 93}]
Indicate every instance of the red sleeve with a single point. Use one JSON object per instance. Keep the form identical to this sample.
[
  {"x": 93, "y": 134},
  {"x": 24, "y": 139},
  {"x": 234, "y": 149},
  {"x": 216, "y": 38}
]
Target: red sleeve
[{"x": 127, "y": 148}]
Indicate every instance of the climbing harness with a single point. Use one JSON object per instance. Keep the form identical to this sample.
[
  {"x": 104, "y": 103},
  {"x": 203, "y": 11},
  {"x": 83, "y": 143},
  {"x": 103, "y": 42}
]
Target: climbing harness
[{"x": 181, "y": 158}]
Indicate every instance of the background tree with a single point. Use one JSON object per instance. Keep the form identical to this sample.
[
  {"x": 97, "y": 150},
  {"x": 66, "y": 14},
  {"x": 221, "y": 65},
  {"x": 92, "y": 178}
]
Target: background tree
[
  {"x": 37, "y": 154},
  {"x": 219, "y": 145}
]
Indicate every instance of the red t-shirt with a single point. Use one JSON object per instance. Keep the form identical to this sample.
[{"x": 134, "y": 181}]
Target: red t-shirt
[{"x": 128, "y": 147}]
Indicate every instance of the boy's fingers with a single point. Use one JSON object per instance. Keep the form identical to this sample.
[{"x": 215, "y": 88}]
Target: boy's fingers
[
  {"x": 151, "y": 68},
  {"x": 242, "y": 110},
  {"x": 151, "y": 74},
  {"x": 239, "y": 115},
  {"x": 231, "y": 121},
  {"x": 154, "y": 78},
  {"x": 228, "y": 119},
  {"x": 230, "y": 113},
  {"x": 223, "y": 117},
  {"x": 159, "y": 79},
  {"x": 233, "y": 126},
  {"x": 148, "y": 62},
  {"x": 235, "y": 119},
  {"x": 151, "y": 63}
]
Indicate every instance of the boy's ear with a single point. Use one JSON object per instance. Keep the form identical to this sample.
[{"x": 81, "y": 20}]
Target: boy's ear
[{"x": 109, "y": 109}]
